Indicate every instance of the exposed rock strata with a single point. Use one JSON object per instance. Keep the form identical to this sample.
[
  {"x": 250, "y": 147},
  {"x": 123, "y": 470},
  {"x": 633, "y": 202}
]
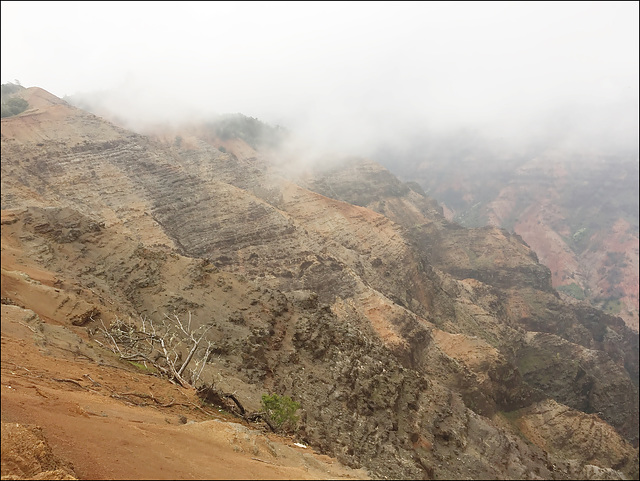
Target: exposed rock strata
[{"x": 405, "y": 337}]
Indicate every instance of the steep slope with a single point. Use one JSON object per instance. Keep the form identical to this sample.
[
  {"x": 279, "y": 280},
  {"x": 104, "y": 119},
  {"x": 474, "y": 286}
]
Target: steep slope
[
  {"x": 72, "y": 410},
  {"x": 411, "y": 343},
  {"x": 501, "y": 274}
]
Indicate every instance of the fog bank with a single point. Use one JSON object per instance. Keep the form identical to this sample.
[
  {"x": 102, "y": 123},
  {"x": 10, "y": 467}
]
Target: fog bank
[{"x": 347, "y": 76}]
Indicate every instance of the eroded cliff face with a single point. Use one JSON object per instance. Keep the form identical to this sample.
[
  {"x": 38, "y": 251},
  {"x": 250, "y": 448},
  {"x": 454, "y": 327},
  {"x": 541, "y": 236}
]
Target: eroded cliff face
[
  {"x": 417, "y": 348},
  {"x": 502, "y": 275},
  {"x": 579, "y": 212}
]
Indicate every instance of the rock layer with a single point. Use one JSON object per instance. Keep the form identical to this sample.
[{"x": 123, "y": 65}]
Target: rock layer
[{"x": 414, "y": 345}]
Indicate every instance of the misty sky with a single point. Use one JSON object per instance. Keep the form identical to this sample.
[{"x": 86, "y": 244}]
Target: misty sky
[{"x": 346, "y": 74}]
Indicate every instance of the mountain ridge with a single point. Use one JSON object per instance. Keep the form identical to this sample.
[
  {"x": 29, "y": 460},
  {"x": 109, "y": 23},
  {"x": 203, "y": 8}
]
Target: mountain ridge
[
  {"x": 404, "y": 336},
  {"x": 577, "y": 208}
]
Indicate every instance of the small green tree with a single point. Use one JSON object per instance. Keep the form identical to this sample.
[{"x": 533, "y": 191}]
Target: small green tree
[
  {"x": 10, "y": 88},
  {"x": 281, "y": 410},
  {"x": 13, "y": 106}
]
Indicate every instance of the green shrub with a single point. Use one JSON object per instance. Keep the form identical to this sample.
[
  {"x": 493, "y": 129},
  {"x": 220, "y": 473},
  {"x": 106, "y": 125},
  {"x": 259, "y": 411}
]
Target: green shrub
[
  {"x": 281, "y": 410},
  {"x": 13, "y": 106},
  {"x": 255, "y": 133},
  {"x": 573, "y": 289},
  {"x": 9, "y": 88}
]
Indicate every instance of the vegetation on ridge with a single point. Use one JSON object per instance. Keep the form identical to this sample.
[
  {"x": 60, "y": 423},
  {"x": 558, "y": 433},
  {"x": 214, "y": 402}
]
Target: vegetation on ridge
[
  {"x": 12, "y": 105},
  {"x": 251, "y": 130}
]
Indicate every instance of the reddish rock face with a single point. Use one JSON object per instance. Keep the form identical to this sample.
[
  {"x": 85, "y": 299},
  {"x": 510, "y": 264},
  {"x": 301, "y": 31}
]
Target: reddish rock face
[{"x": 578, "y": 212}]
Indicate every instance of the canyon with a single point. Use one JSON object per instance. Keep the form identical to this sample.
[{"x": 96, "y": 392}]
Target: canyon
[{"x": 417, "y": 348}]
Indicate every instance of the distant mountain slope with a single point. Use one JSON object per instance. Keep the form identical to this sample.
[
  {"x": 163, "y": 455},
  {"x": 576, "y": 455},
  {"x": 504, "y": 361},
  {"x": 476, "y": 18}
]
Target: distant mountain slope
[
  {"x": 417, "y": 348},
  {"x": 578, "y": 211}
]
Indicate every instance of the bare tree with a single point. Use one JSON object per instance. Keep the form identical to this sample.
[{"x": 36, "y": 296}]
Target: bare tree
[{"x": 162, "y": 344}]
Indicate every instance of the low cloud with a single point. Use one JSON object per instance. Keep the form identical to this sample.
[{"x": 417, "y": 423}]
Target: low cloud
[{"x": 346, "y": 77}]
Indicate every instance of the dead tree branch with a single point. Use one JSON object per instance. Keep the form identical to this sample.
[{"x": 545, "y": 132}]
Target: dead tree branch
[{"x": 162, "y": 345}]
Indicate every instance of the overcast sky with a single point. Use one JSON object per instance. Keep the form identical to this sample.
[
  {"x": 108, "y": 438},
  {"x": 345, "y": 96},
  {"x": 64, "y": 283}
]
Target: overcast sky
[{"x": 345, "y": 73}]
